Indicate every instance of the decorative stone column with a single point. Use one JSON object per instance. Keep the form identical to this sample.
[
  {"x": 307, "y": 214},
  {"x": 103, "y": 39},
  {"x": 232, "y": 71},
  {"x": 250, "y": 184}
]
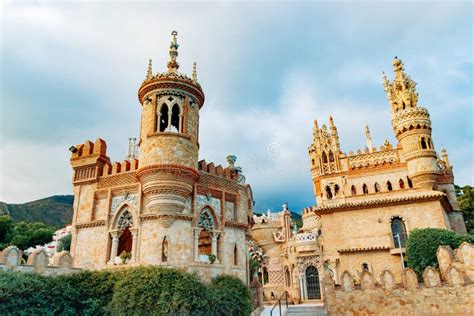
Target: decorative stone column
[
  {"x": 302, "y": 288},
  {"x": 134, "y": 244},
  {"x": 215, "y": 234},
  {"x": 115, "y": 243},
  {"x": 197, "y": 231}
]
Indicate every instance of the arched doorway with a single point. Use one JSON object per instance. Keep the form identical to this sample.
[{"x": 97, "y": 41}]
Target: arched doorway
[{"x": 312, "y": 283}]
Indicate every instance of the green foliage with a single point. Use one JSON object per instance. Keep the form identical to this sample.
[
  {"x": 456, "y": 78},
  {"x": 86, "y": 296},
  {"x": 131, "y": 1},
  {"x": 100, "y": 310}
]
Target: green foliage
[
  {"x": 422, "y": 245},
  {"x": 133, "y": 291},
  {"x": 212, "y": 257},
  {"x": 27, "y": 235},
  {"x": 466, "y": 202},
  {"x": 230, "y": 296},
  {"x": 6, "y": 226},
  {"x": 64, "y": 243},
  {"x": 55, "y": 211},
  {"x": 159, "y": 291},
  {"x": 22, "y": 234}
]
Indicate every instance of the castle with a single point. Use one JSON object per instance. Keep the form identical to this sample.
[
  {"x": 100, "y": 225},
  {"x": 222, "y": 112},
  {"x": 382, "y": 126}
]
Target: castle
[
  {"x": 165, "y": 208},
  {"x": 367, "y": 203}
]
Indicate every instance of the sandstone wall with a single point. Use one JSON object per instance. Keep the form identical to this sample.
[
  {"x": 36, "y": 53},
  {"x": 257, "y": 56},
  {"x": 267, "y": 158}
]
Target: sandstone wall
[
  {"x": 38, "y": 262},
  {"x": 448, "y": 292}
]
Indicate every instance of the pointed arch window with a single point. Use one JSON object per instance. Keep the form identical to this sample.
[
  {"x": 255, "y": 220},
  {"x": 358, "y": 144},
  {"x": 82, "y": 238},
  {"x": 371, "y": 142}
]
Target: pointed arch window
[
  {"x": 365, "y": 189},
  {"x": 376, "y": 187},
  {"x": 325, "y": 157},
  {"x": 164, "y": 118},
  {"x": 164, "y": 250},
  {"x": 287, "y": 277},
  {"x": 331, "y": 156},
  {"x": 328, "y": 192},
  {"x": 175, "y": 118},
  {"x": 399, "y": 232},
  {"x": 423, "y": 143},
  {"x": 401, "y": 184},
  {"x": 336, "y": 190},
  {"x": 410, "y": 184},
  {"x": 389, "y": 186},
  {"x": 353, "y": 190},
  {"x": 236, "y": 259}
]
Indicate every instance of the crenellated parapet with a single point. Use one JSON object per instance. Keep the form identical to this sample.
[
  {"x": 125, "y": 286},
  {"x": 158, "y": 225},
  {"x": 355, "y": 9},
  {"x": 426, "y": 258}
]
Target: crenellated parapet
[
  {"x": 446, "y": 290},
  {"x": 88, "y": 160}
]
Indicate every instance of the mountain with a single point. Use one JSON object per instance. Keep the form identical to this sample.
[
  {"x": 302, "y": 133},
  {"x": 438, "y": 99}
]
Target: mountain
[
  {"x": 297, "y": 218},
  {"x": 54, "y": 211}
]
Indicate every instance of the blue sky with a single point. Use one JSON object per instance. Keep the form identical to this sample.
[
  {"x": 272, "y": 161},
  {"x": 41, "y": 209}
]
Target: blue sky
[{"x": 71, "y": 71}]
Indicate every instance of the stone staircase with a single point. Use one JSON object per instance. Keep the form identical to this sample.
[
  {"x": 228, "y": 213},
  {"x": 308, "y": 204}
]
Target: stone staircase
[{"x": 305, "y": 310}]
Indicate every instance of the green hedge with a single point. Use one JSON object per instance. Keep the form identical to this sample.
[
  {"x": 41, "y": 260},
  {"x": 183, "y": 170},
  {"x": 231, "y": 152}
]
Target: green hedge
[
  {"x": 422, "y": 245},
  {"x": 134, "y": 291}
]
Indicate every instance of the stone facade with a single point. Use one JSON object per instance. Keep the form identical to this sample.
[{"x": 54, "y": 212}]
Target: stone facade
[
  {"x": 451, "y": 292},
  {"x": 38, "y": 262},
  {"x": 166, "y": 207},
  {"x": 368, "y": 202}
]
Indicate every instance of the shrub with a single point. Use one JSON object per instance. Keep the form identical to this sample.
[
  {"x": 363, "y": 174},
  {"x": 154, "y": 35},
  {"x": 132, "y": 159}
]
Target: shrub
[
  {"x": 64, "y": 243},
  {"x": 422, "y": 245},
  {"x": 159, "y": 291},
  {"x": 230, "y": 296}
]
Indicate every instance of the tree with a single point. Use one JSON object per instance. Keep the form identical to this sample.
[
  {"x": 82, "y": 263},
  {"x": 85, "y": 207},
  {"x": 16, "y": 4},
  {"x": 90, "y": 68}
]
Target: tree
[
  {"x": 422, "y": 245},
  {"x": 64, "y": 243},
  {"x": 27, "y": 235},
  {"x": 466, "y": 202},
  {"x": 6, "y": 227}
]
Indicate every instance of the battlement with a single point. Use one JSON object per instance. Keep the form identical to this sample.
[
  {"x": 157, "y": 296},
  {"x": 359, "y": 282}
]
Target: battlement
[
  {"x": 38, "y": 262},
  {"x": 218, "y": 171},
  {"x": 89, "y": 149},
  {"x": 120, "y": 167},
  {"x": 453, "y": 285}
]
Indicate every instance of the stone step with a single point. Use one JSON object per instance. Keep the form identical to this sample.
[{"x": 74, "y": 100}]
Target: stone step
[{"x": 306, "y": 310}]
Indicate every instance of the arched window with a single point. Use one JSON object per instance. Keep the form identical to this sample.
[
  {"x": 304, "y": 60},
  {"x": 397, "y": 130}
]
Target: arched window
[
  {"x": 312, "y": 162},
  {"x": 328, "y": 192},
  {"x": 365, "y": 189},
  {"x": 331, "y": 156},
  {"x": 376, "y": 187},
  {"x": 389, "y": 186},
  {"x": 401, "y": 184},
  {"x": 399, "y": 232},
  {"x": 423, "y": 143},
  {"x": 365, "y": 267},
  {"x": 287, "y": 277},
  {"x": 236, "y": 259},
  {"x": 353, "y": 190},
  {"x": 206, "y": 222},
  {"x": 163, "y": 118},
  {"x": 175, "y": 118},
  {"x": 265, "y": 275},
  {"x": 336, "y": 189},
  {"x": 410, "y": 184},
  {"x": 164, "y": 250},
  {"x": 325, "y": 158},
  {"x": 429, "y": 142}
]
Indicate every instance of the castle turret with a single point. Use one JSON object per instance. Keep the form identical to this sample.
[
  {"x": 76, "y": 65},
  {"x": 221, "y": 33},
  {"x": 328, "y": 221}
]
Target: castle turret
[
  {"x": 169, "y": 137},
  {"x": 412, "y": 127}
]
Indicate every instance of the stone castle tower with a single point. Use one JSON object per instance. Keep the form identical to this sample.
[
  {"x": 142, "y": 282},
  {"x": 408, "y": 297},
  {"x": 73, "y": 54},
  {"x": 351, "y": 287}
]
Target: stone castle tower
[
  {"x": 167, "y": 207},
  {"x": 412, "y": 128},
  {"x": 169, "y": 138}
]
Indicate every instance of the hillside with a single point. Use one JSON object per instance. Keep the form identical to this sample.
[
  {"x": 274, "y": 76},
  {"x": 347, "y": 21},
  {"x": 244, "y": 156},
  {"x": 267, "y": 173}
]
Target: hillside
[{"x": 54, "y": 211}]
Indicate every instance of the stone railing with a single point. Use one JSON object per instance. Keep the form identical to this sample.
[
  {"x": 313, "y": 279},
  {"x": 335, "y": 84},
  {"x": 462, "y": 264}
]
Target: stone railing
[
  {"x": 38, "y": 262},
  {"x": 448, "y": 292},
  {"x": 306, "y": 237}
]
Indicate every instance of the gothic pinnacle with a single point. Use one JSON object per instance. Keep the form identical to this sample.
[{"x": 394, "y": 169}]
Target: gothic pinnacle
[
  {"x": 173, "y": 64},
  {"x": 194, "y": 73},
  {"x": 149, "y": 72}
]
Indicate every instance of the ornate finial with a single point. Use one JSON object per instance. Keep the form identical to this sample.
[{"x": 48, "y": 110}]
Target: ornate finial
[
  {"x": 173, "y": 64},
  {"x": 149, "y": 72},
  {"x": 401, "y": 92},
  {"x": 444, "y": 156},
  {"x": 368, "y": 138},
  {"x": 194, "y": 73},
  {"x": 331, "y": 122},
  {"x": 231, "y": 159}
]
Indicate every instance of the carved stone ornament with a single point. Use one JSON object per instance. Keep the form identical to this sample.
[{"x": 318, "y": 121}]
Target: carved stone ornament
[
  {"x": 125, "y": 220},
  {"x": 209, "y": 200},
  {"x": 206, "y": 221},
  {"x": 117, "y": 200},
  {"x": 304, "y": 262}
]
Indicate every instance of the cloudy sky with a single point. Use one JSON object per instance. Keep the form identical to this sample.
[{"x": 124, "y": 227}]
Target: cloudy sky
[{"x": 70, "y": 72}]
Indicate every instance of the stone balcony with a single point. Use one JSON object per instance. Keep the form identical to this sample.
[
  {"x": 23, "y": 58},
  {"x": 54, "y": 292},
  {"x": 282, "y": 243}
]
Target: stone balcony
[{"x": 306, "y": 242}]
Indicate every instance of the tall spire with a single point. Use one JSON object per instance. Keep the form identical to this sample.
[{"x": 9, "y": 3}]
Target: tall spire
[
  {"x": 368, "y": 138},
  {"x": 401, "y": 93},
  {"x": 149, "y": 72},
  {"x": 173, "y": 64},
  {"x": 194, "y": 73}
]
